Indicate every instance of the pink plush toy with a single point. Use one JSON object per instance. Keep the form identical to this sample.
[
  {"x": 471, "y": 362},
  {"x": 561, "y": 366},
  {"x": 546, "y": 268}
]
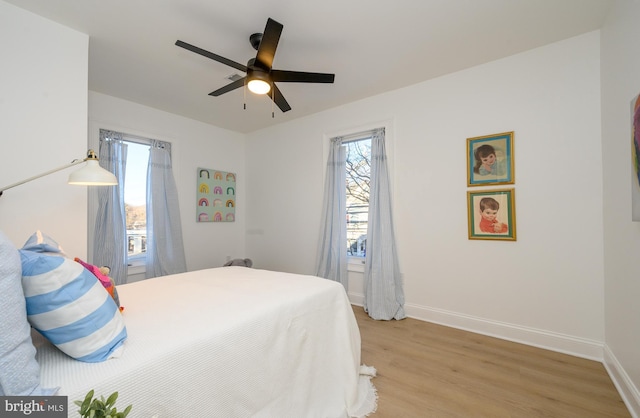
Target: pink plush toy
[
  {"x": 106, "y": 281},
  {"x": 101, "y": 274}
]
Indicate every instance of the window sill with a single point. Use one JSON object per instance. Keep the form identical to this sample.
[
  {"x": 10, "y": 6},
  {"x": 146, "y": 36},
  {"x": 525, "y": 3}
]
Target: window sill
[{"x": 136, "y": 267}]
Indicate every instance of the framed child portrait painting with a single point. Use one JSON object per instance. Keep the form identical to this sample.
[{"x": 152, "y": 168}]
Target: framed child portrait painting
[
  {"x": 492, "y": 214},
  {"x": 490, "y": 160}
]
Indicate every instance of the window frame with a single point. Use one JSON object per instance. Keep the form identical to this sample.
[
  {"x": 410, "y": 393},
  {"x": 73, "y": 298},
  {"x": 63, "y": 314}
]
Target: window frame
[{"x": 354, "y": 263}]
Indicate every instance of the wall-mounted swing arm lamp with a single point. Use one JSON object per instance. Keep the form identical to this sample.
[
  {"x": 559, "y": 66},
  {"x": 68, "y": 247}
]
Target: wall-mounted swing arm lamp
[{"x": 89, "y": 175}]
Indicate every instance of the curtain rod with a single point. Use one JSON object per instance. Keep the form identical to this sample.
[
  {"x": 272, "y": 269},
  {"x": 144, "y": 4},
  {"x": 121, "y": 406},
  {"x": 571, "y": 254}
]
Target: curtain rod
[
  {"x": 357, "y": 136},
  {"x": 132, "y": 138}
]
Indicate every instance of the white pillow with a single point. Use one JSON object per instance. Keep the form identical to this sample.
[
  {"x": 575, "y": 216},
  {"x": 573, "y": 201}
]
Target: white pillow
[
  {"x": 69, "y": 306},
  {"x": 19, "y": 370}
]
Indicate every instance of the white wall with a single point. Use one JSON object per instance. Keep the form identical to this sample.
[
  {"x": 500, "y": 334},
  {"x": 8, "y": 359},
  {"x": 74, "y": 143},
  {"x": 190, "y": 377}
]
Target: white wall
[
  {"x": 43, "y": 117},
  {"x": 620, "y": 83},
  {"x": 194, "y": 144},
  {"x": 545, "y": 289}
]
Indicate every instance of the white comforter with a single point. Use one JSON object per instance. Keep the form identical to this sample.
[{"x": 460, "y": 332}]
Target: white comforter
[{"x": 227, "y": 342}]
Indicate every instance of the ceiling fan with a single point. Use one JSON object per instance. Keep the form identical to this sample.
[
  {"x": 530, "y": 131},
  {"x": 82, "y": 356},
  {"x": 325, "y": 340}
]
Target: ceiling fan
[{"x": 261, "y": 77}]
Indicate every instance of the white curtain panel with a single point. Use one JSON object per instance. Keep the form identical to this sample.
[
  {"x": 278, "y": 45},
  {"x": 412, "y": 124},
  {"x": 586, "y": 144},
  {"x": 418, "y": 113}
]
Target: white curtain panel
[
  {"x": 383, "y": 292},
  {"x": 165, "y": 248},
  {"x": 332, "y": 248},
  {"x": 109, "y": 247}
]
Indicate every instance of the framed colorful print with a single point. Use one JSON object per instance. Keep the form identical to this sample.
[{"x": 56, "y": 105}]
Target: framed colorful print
[
  {"x": 490, "y": 160},
  {"x": 215, "y": 196},
  {"x": 635, "y": 159},
  {"x": 492, "y": 214}
]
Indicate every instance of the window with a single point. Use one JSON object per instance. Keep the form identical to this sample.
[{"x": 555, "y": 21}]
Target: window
[
  {"x": 120, "y": 232},
  {"x": 347, "y": 212},
  {"x": 358, "y": 176},
  {"x": 135, "y": 201}
]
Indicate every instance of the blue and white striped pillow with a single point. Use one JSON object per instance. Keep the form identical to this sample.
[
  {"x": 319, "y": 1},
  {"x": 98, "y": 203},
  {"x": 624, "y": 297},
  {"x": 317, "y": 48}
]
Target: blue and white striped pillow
[
  {"x": 71, "y": 308},
  {"x": 42, "y": 243}
]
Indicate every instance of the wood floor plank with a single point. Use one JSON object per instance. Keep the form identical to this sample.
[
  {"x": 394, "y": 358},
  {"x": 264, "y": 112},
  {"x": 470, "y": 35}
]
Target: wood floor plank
[{"x": 429, "y": 370}]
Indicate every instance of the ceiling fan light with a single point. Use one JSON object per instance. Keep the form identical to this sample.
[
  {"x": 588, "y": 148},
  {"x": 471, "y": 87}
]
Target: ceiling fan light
[{"x": 259, "y": 86}]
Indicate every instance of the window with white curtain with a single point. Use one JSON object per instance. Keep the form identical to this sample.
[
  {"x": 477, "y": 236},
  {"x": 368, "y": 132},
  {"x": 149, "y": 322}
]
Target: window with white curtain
[
  {"x": 357, "y": 144},
  {"x": 358, "y": 176},
  {"x": 135, "y": 201}
]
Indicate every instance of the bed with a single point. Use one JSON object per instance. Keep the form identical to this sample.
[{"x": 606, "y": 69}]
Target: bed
[{"x": 227, "y": 342}]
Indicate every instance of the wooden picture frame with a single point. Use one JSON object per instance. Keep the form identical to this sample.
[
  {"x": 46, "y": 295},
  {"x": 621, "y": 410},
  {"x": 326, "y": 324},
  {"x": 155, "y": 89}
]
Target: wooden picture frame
[
  {"x": 490, "y": 160},
  {"x": 500, "y": 209}
]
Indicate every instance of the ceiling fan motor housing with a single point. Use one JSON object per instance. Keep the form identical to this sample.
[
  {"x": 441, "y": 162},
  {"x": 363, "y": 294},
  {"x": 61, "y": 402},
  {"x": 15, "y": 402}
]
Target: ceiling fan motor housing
[
  {"x": 252, "y": 64},
  {"x": 260, "y": 67}
]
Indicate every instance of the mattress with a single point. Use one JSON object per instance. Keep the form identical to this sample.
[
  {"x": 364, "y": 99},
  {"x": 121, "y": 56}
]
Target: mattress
[{"x": 227, "y": 342}]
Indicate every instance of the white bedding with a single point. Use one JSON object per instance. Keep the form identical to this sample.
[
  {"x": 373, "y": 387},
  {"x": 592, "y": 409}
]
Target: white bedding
[{"x": 227, "y": 342}]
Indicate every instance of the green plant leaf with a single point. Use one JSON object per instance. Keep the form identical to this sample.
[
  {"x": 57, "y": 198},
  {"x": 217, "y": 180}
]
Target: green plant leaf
[
  {"x": 92, "y": 407},
  {"x": 89, "y": 396},
  {"x": 85, "y": 404},
  {"x": 112, "y": 399}
]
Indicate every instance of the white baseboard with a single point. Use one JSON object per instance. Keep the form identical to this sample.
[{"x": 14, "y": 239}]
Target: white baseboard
[
  {"x": 629, "y": 393},
  {"x": 356, "y": 299},
  {"x": 580, "y": 347}
]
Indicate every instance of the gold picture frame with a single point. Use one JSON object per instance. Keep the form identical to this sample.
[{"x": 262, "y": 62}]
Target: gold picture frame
[
  {"x": 490, "y": 160},
  {"x": 492, "y": 214}
]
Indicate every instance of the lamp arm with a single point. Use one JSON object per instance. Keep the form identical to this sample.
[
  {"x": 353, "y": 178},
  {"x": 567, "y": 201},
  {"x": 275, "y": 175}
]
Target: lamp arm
[{"x": 71, "y": 164}]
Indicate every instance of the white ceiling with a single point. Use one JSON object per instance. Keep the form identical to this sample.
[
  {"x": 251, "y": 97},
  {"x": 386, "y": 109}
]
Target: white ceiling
[{"x": 372, "y": 46}]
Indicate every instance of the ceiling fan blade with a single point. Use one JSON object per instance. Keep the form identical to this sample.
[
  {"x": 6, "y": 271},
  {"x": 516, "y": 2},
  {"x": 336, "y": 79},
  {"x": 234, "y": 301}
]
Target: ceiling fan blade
[
  {"x": 279, "y": 99},
  {"x": 231, "y": 86},
  {"x": 212, "y": 56},
  {"x": 268, "y": 44},
  {"x": 301, "y": 77}
]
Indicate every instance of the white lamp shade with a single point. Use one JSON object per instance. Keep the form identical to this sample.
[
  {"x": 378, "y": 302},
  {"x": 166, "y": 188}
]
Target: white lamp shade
[{"x": 92, "y": 175}]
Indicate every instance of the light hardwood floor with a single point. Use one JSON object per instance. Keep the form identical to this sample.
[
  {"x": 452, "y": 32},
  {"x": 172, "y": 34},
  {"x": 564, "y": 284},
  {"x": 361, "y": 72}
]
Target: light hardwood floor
[{"x": 429, "y": 370}]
